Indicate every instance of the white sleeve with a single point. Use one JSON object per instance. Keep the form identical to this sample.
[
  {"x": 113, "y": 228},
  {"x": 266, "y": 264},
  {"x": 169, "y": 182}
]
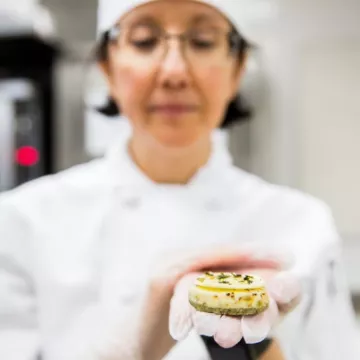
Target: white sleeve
[
  {"x": 19, "y": 335},
  {"x": 325, "y": 323},
  {"x": 329, "y": 322},
  {"x": 98, "y": 333}
]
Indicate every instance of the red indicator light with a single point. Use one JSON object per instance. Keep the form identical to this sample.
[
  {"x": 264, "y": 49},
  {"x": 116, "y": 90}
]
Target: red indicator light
[{"x": 27, "y": 156}]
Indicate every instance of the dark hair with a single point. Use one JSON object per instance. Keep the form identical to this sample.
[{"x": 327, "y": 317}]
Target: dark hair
[{"x": 238, "y": 109}]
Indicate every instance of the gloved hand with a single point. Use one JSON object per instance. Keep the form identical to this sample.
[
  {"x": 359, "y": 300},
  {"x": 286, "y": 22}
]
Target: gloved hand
[
  {"x": 284, "y": 292},
  {"x": 169, "y": 283},
  {"x": 146, "y": 318}
]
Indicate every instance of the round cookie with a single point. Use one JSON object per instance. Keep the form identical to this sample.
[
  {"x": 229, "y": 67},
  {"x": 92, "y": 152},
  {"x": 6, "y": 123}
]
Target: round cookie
[{"x": 229, "y": 294}]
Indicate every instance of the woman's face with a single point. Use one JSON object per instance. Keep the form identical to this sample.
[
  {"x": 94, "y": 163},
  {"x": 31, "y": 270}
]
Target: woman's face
[{"x": 173, "y": 91}]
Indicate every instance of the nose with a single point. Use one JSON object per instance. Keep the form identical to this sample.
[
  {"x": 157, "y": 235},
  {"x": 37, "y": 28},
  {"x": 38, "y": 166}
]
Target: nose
[{"x": 174, "y": 69}]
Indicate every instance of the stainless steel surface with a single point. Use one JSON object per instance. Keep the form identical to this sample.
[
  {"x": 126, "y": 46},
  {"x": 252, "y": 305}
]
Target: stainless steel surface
[
  {"x": 19, "y": 127},
  {"x": 6, "y": 141}
]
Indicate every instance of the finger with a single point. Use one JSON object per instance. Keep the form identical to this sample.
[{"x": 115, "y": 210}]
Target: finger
[
  {"x": 180, "y": 321},
  {"x": 186, "y": 282},
  {"x": 284, "y": 288},
  {"x": 180, "y": 324},
  {"x": 255, "y": 328},
  {"x": 170, "y": 270},
  {"x": 272, "y": 313},
  {"x": 172, "y": 267},
  {"x": 285, "y": 309},
  {"x": 229, "y": 332},
  {"x": 282, "y": 256},
  {"x": 250, "y": 267},
  {"x": 205, "y": 323},
  {"x": 180, "y": 316},
  {"x": 231, "y": 257}
]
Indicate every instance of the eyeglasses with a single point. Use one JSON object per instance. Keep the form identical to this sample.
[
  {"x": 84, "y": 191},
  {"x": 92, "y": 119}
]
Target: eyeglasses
[{"x": 147, "y": 45}]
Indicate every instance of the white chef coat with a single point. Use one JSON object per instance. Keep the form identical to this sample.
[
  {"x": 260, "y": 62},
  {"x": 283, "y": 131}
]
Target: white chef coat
[{"x": 68, "y": 242}]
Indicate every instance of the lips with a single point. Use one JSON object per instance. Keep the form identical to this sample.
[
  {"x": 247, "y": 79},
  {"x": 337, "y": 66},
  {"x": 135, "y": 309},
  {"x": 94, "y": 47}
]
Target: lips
[{"x": 173, "y": 109}]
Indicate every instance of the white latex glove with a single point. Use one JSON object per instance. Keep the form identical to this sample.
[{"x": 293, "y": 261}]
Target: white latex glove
[
  {"x": 152, "y": 330},
  {"x": 284, "y": 292}
]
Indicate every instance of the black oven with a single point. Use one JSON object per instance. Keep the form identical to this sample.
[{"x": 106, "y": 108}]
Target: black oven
[{"x": 27, "y": 116}]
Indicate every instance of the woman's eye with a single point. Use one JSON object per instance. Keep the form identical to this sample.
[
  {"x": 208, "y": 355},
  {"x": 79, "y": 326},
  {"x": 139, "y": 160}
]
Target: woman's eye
[
  {"x": 147, "y": 43},
  {"x": 143, "y": 37},
  {"x": 203, "y": 43},
  {"x": 203, "y": 40}
]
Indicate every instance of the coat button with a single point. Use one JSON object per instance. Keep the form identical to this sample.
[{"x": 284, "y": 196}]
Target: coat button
[
  {"x": 213, "y": 204},
  {"x": 131, "y": 202},
  {"x": 128, "y": 298}
]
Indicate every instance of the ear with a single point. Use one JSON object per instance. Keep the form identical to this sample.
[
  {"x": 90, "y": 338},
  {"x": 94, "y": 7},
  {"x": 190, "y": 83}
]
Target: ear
[
  {"x": 239, "y": 73},
  {"x": 105, "y": 69}
]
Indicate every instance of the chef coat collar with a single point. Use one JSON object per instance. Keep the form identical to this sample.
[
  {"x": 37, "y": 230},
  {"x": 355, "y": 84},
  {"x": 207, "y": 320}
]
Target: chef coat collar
[{"x": 124, "y": 172}]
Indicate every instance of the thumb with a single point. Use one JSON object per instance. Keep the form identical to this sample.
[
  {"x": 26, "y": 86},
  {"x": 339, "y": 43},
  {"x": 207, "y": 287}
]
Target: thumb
[
  {"x": 181, "y": 312},
  {"x": 284, "y": 287}
]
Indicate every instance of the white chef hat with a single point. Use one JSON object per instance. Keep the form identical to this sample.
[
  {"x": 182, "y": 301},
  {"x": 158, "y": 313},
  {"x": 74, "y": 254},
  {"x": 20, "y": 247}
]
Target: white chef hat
[{"x": 247, "y": 16}]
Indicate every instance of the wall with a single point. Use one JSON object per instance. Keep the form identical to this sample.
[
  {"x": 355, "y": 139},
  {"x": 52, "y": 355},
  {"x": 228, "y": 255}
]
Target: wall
[{"x": 307, "y": 132}]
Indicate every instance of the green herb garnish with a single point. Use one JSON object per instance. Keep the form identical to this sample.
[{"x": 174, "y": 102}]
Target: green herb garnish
[
  {"x": 248, "y": 279},
  {"x": 222, "y": 276},
  {"x": 236, "y": 275},
  {"x": 224, "y": 282}
]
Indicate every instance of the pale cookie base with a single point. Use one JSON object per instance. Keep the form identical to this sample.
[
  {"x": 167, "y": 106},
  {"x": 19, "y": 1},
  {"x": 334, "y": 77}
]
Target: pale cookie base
[{"x": 229, "y": 312}]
